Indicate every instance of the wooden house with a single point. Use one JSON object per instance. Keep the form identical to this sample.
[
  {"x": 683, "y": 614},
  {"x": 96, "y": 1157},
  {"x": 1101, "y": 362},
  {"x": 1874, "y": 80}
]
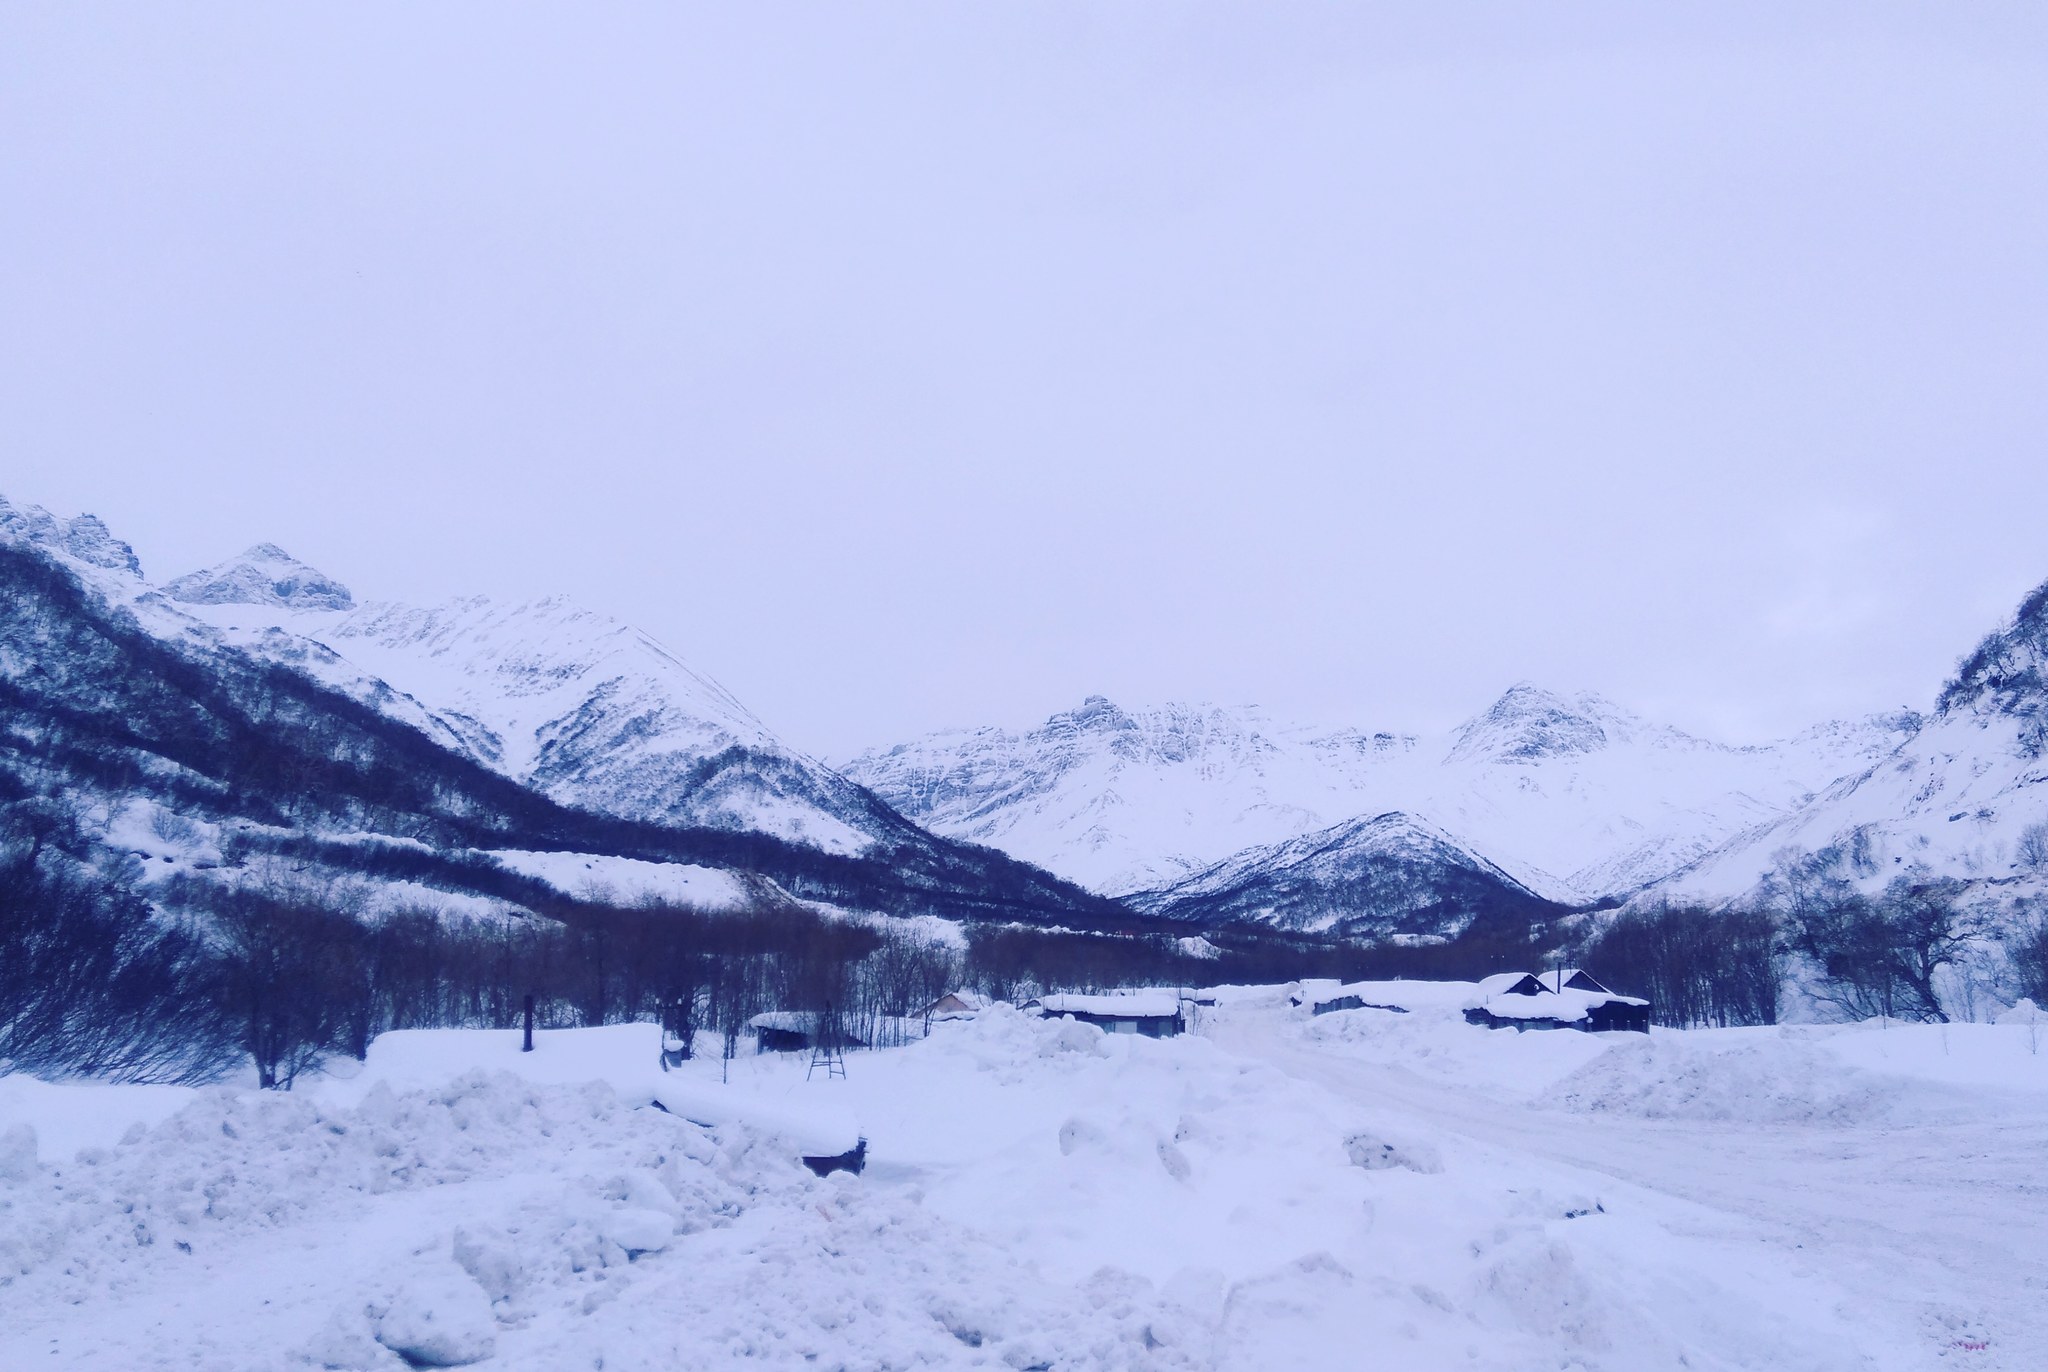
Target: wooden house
[{"x": 1522, "y": 1000}]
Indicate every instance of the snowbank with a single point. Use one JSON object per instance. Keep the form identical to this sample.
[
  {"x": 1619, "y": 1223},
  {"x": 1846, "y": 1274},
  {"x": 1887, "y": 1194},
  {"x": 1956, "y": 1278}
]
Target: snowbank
[
  {"x": 1813, "y": 1074},
  {"x": 1395, "y": 1190},
  {"x": 67, "y": 1116}
]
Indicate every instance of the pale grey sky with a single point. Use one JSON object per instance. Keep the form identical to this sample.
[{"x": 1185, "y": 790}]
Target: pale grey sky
[{"x": 906, "y": 366}]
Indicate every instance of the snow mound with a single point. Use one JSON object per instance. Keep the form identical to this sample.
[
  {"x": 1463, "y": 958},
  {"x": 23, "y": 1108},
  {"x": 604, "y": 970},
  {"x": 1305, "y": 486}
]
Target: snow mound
[
  {"x": 438, "y": 1317},
  {"x": 1433, "y": 1040},
  {"x": 1373, "y": 1150},
  {"x": 1769, "y": 1081},
  {"x": 233, "y": 1162}
]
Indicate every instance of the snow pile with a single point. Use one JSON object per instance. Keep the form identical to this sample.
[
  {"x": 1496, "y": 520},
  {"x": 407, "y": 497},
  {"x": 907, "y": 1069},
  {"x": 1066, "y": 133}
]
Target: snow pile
[
  {"x": 235, "y": 1161},
  {"x": 1852, "y": 1074},
  {"x": 1771, "y": 1081},
  {"x": 1362, "y": 1188},
  {"x": 1433, "y": 1040},
  {"x": 540, "y": 1226}
]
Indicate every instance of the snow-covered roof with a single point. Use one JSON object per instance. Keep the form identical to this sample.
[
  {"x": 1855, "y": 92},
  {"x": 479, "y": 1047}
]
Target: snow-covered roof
[
  {"x": 1121, "y": 1005},
  {"x": 1566, "y": 1005},
  {"x": 1500, "y": 983},
  {"x": 1408, "y": 995}
]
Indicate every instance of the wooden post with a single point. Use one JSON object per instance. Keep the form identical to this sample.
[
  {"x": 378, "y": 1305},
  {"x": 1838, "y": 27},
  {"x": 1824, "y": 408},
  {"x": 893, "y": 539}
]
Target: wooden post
[{"x": 527, "y": 1045}]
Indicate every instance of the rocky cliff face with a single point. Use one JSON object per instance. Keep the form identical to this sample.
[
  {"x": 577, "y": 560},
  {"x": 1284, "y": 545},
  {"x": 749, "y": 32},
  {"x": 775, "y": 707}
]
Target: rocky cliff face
[
  {"x": 83, "y": 539},
  {"x": 265, "y": 575}
]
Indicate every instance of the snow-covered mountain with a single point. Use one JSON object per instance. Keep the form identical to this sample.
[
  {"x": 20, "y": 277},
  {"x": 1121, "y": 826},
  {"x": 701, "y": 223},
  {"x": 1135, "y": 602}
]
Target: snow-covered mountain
[
  {"x": 1573, "y": 796},
  {"x": 1965, "y": 796},
  {"x": 1373, "y": 877},
  {"x": 577, "y": 704},
  {"x": 257, "y": 701}
]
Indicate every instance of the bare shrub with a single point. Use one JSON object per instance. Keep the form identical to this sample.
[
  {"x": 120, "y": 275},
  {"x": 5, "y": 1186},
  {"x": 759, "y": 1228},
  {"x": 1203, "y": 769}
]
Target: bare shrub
[
  {"x": 92, "y": 985},
  {"x": 2032, "y": 850}
]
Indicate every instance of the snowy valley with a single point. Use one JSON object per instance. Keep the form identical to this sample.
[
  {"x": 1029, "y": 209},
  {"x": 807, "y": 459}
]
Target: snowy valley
[{"x": 258, "y": 834}]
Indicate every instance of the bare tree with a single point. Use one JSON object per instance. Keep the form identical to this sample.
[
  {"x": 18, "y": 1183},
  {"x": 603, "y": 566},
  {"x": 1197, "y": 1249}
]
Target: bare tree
[
  {"x": 2028, "y": 950},
  {"x": 1695, "y": 966},
  {"x": 293, "y": 978},
  {"x": 2032, "y": 849},
  {"x": 1881, "y": 957}
]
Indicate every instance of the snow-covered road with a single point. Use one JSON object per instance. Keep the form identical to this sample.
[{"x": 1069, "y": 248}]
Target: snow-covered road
[{"x": 1937, "y": 1228}]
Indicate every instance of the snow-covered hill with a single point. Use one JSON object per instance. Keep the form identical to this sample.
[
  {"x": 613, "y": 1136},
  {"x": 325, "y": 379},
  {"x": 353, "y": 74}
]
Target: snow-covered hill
[
  {"x": 258, "y": 698},
  {"x": 1574, "y": 796},
  {"x": 1959, "y": 798},
  {"x": 1377, "y": 877},
  {"x": 577, "y": 704}
]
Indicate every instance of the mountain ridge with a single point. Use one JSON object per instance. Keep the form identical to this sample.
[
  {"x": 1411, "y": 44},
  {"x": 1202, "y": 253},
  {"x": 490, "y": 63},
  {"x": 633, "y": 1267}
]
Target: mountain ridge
[
  {"x": 1579, "y": 798},
  {"x": 112, "y": 696}
]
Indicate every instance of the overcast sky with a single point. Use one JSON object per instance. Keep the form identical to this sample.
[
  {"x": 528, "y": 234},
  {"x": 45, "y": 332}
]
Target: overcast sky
[{"x": 915, "y": 366}]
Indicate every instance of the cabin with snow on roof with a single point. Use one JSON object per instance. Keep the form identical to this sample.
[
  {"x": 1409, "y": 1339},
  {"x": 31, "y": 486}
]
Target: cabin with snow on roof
[{"x": 1566, "y": 999}]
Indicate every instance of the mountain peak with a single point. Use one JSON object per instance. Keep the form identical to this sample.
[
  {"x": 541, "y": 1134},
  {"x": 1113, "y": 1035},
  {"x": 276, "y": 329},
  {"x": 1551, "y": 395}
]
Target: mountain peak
[
  {"x": 83, "y": 537},
  {"x": 1097, "y": 714},
  {"x": 1528, "y": 724},
  {"x": 264, "y": 575}
]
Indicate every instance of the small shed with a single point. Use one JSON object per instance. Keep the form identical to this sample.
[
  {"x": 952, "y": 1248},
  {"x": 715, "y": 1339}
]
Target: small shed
[
  {"x": 794, "y": 1031},
  {"x": 1153, "y": 1014}
]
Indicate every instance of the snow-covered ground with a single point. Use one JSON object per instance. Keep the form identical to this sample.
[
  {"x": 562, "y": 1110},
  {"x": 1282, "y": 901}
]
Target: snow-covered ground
[{"x": 1364, "y": 1189}]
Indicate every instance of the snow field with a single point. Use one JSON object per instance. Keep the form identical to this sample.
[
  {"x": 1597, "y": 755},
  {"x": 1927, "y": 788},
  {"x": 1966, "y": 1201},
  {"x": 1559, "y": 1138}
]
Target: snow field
[{"x": 1364, "y": 1189}]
